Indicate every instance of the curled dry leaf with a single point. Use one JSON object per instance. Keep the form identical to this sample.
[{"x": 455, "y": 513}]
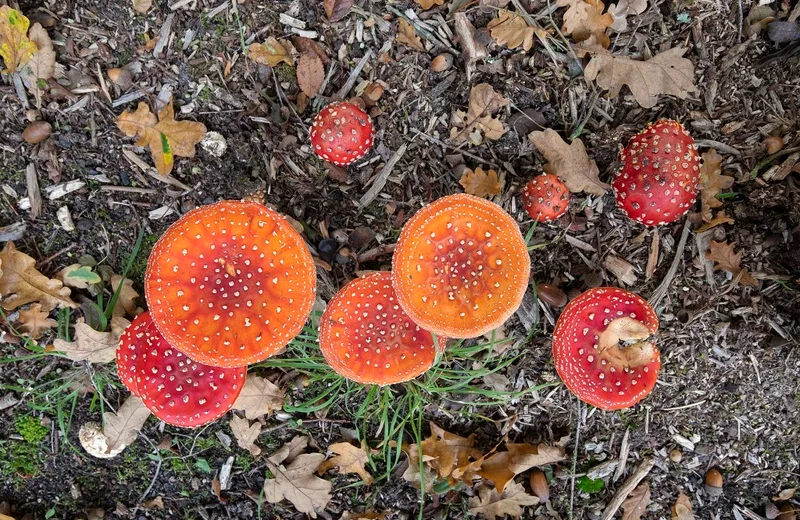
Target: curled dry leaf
[
  {"x": 712, "y": 182},
  {"x": 667, "y": 73},
  {"x": 348, "y": 459},
  {"x": 569, "y": 162},
  {"x": 503, "y": 466},
  {"x": 34, "y": 322},
  {"x": 585, "y": 18},
  {"x": 21, "y": 283},
  {"x": 259, "y": 397},
  {"x": 624, "y": 8},
  {"x": 450, "y": 457},
  {"x": 335, "y": 10},
  {"x": 634, "y": 507},
  {"x": 15, "y": 47},
  {"x": 682, "y": 510},
  {"x": 92, "y": 345},
  {"x": 407, "y": 35},
  {"x": 246, "y": 434},
  {"x": 726, "y": 260},
  {"x": 511, "y": 29},
  {"x": 272, "y": 52},
  {"x": 492, "y": 505},
  {"x": 477, "y": 123},
  {"x": 298, "y": 484},
  {"x": 481, "y": 183},
  {"x": 310, "y": 73}
]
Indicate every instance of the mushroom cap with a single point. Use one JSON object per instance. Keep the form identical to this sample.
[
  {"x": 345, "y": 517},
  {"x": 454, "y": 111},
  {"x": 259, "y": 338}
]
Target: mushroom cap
[
  {"x": 230, "y": 284},
  {"x": 342, "y": 133},
  {"x": 587, "y": 353},
  {"x": 128, "y": 353},
  {"x": 460, "y": 267},
  {"x": 366, "y": 336},
  {"x": 545, "y": 198},
  {"x": 660, "y": 174},
  {"x": 177, "y": 389}
]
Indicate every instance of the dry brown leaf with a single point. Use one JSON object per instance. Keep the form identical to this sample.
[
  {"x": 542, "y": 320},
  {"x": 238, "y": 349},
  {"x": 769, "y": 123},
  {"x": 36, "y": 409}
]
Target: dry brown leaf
[
  {"x": 21, "y": 283},
  {"x": 726, "y": 260},
  {"x": 126, "y": 304},
  {"x": 367, "y": 515},
  {"x": 42, "y": 64},
  {"x": 427, "y": 4},
  {"x": 569, "y": 162},
  {"x": 503, "y": 466},
  {"x": 481, "y": 183},
  {"x": 304, "y": 45},
  {"x": 492, "y": 504},
  {"x": 92, "y": 345},
  {"x": 298, "y": 484},
  {"x": 667, "y": 73},
  {"x": 585, "y": 18},
  {"x": 511, "y": 29},
  {"x": 259, "y": 397},
  {"x": 246, "y": 434},
  {"x": 290, "y": 450},
  {"x": 720, "y": 218},
  {"x": 337, "y": 9},
  {"x": 712, "y": 182},
  {"x": 784, "y": 495},
  {"x": 121, "y": 428},
  {"x": 477, "y": 123},
  {"x": 624, "y": 8},
  {"x": 272, "y": 52},
  {"x": 15, "y": 47},
  {"x": 682, "y": 510},
  {"x": 142, "y": 6},
  {"x": 634, "y": 507},
  {"x": 34, "y": 321},
  {"x": 348, "y": 459},
  {"x": 450, "y": 456},
  {"x": 310, "y": 73},
  {"x": 166, "y": 137},
  {"x": 407, "y": 35}
]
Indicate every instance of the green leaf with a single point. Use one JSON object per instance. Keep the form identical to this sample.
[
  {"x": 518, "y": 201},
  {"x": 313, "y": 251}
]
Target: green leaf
[
  {"x": 590, "y": 485},
  {"x": 50, "y": 513},
  {"x": 202, "y": 464}
]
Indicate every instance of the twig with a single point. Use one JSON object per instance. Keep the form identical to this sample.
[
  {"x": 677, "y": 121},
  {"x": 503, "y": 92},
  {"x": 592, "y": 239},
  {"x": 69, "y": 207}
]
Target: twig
[
  {"x": 424, "y": 32},
  {"x": 575, "y": 460},
  {"x": 130, "y": 189},
  {"x": 623, "y": 455},
  {"x": 149, "y": 488},
  {"x": 34, "y": 195},
  {"x": 376, "y": 252},
  {"x": 380, "y": 180},
  {"x": 351, "y": 80},
  {"x": 55, "y": 255},
  {"x": 285, "y": 424},
  {"x": 626, "y": 488},
  {"x": 662, "y": 288},
  {"x": 452, "y": 147}
]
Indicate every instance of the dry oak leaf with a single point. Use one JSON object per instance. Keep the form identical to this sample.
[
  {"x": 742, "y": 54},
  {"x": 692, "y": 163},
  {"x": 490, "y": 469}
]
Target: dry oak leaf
[
  {"x": 503, "y": 466},
  {"x": 272, "y": 52},
  {"x": 427, "y": 4},
  {"x": 246, "y": 434},
  {"x": 348, "y": 459},
  {"x": 666, "y": 73},
  {"x": 477, "y": 123},
  {"x": 21, "y": 283},
  {"x": 726, "y": 260},
  {"x": 34, "y": 321},
  {"x": 166, "y": 137},
  {"x": 298, "y": 484},
  {"x": 92, "y": 345},
  {"x": 481, "y": 183},
  {"x": 78, "y": 276},
  {"x": 450, "y": 456},
  {"x": 126, "y": 304},
  {"x": 142, "y": 6},
  {"x": 682, "y": 510},
  {"x": 120, "y": 429},
  {"x": 42, "y": 65},
  {"x": 585, "y": 18},
  {"x": 310, "y": 73},
  {"x": 634, "y": 507},
  {"x": 511, "y": 29},
  {"x": 337, "y": 9},
  {"x": 289, "y": 451},
  {"x": 259, "y": 397},
  {"x": 569, "y": 162},
  {"x": 720, "y": 218},
  {"x": 624, "y": 8},
  {"x": 406, "y": 34},
  {"x": 712, "y": 182},
  {"x": 15, "y": 47},
  {"x": 491, "y": 504}
]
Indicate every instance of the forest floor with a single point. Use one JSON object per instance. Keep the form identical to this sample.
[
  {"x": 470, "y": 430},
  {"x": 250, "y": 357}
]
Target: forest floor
[{"x": 728, "y": 395}]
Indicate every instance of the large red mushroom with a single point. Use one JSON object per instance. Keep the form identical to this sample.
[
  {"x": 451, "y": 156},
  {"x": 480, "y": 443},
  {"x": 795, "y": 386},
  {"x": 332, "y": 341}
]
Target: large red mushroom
[
  {"x": 341, "y": 133},
  {"x": 602, "y": 348},
  {"x": 177, "y": 389},
  {"x": 366, "y": 336},
  {"x": 230, "y": 284}
]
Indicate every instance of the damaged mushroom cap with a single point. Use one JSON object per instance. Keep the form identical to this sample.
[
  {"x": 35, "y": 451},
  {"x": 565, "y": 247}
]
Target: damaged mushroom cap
[
  {"x": 660, "y": 174},
  {"x": 230, "y": 284},
  {"x": 545, "y": 198},
  {"x": 177, "y": 389},
  {"x": 461, "y": 266},
  {"x": 366, "y": 336},
  {"x": 342, "y": 133},
  {"x": 589, "y": 357}
]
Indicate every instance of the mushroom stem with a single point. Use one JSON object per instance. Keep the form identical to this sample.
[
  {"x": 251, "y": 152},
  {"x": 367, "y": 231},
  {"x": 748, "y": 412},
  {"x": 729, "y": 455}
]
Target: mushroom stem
[{"x": 631, "y": 355}]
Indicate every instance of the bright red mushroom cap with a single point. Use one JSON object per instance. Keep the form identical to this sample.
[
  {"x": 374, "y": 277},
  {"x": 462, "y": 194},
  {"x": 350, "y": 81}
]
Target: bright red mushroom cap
[
  {"x": 230, "y": 284},
  {"x": 128, "y": 353},
  {"x": 587, "y": 351},
  {"x": 460, "y": 267},
  {"x": 179, "y": 390},
  {"x": 366, "y": 336},
  {"x": 660, "y": 174},
  {"x": 545, "y": 198},
  {"x": 342, "y": 133}
]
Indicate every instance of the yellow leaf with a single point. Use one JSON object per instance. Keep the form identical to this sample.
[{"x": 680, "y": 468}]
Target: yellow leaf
[
  {"x": 712, "y": 182},
  {"x": 666, "y": 73},
  {"x": 92, "y": 345},
  {"x": 259, "y": 397},
  {"x": 501, "y": 467},
  {"x": 511, "y": 30},
  {"x": 166, "y": 137},
  {"x": 407, "y": 35},
  {"x": 585, "y": 18},
  {"x": 272, "y": 52},
  {"x": 21, "y": 283},
  {"x": 726, "y": 260},
  {"x": 481, "y": 183},
  {"x": 427, "y": 4},
  {"x": 15, "y": 47},
  {"x": 492, "y": 505},
  {"x": 246, "y": 434},
  {"x": 348, "y": 459},
  {"x": 477, "y": 123},
  {"x": 634, "y": 507},
  {"x": 34, "y": 322},
  {"x": 569, "y": 162}
]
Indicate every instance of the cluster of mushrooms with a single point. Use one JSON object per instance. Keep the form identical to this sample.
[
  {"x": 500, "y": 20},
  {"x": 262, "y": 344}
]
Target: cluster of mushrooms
[{"x": 232, "y": 283}]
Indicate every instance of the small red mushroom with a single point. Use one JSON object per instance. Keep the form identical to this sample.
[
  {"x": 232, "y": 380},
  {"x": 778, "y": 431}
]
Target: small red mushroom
[
  {"x": 660, "y": 174},
  {"x": 341, "y": 133},
  {"x": 366, "y": 336},
  {"x": 589, "y": 357},
  {"x": 545, "y": 198},
  {"x": 178, "y": 390}
]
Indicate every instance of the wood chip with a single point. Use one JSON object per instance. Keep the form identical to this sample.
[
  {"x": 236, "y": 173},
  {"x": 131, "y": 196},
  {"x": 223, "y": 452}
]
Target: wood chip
[{"x": 34, "y": 195}]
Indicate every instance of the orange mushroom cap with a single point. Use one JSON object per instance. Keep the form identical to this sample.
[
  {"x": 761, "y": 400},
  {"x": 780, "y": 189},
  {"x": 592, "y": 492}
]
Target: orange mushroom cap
[
  {"x": 461, "y": 266},
  {"x": 366, "y": 337},
  {"x": 230, "y": 284}
]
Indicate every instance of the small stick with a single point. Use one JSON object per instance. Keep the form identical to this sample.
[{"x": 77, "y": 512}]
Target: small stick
[
  {"x": 575, "y": 460},
  {"x": 624, "y": 449},
  {"x": 662, "y": 288},
  {"x": 626, "y": 488},
  {"x": 380, "y": 180},
  {"x": 34, "y": 195},
  {"x": 376, "y": 252},
  {"x": 452, "y": 147},
  {"x": 130, "y": 189},
  {"x": 351, "y": 80}
]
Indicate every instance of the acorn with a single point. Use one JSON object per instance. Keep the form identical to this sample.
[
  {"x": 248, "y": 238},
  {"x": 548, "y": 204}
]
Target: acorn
[
  {"x": 713, "y": 482},
  {"x": 121, "y": 77},
  {"x": 675, "y": 455},
  {"x": 37, "y": 132},
  {"x": 442, "y": 62},
  {"x": 551, "y": 295},
  {"x": 773, "y": 144},
  {"x": 539, "y": 485}
]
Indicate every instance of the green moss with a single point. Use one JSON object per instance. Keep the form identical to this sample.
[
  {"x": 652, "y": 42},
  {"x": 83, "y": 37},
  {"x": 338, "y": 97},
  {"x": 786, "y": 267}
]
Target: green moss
[
  {"x": 20, "y": 460},
  {"x": 31, "y": 429},
  {"x": 286, "y": 73}
]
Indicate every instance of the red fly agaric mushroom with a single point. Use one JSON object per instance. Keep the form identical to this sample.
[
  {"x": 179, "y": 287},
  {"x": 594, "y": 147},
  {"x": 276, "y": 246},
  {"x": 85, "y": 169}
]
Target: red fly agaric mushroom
[
  {"x": 366, "y": 336},
  {"x": 177, "y": 389},
  {"x": 660, "y": 174},
  {"x": 460, "y": 267},
  {"x": 545, "y": 198},
  {"x": 589, "y": 357},
  {"x": 128, "y": 353},
  {"x": 341, "y": 133},
  {"x": 230, "y": 283}
]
